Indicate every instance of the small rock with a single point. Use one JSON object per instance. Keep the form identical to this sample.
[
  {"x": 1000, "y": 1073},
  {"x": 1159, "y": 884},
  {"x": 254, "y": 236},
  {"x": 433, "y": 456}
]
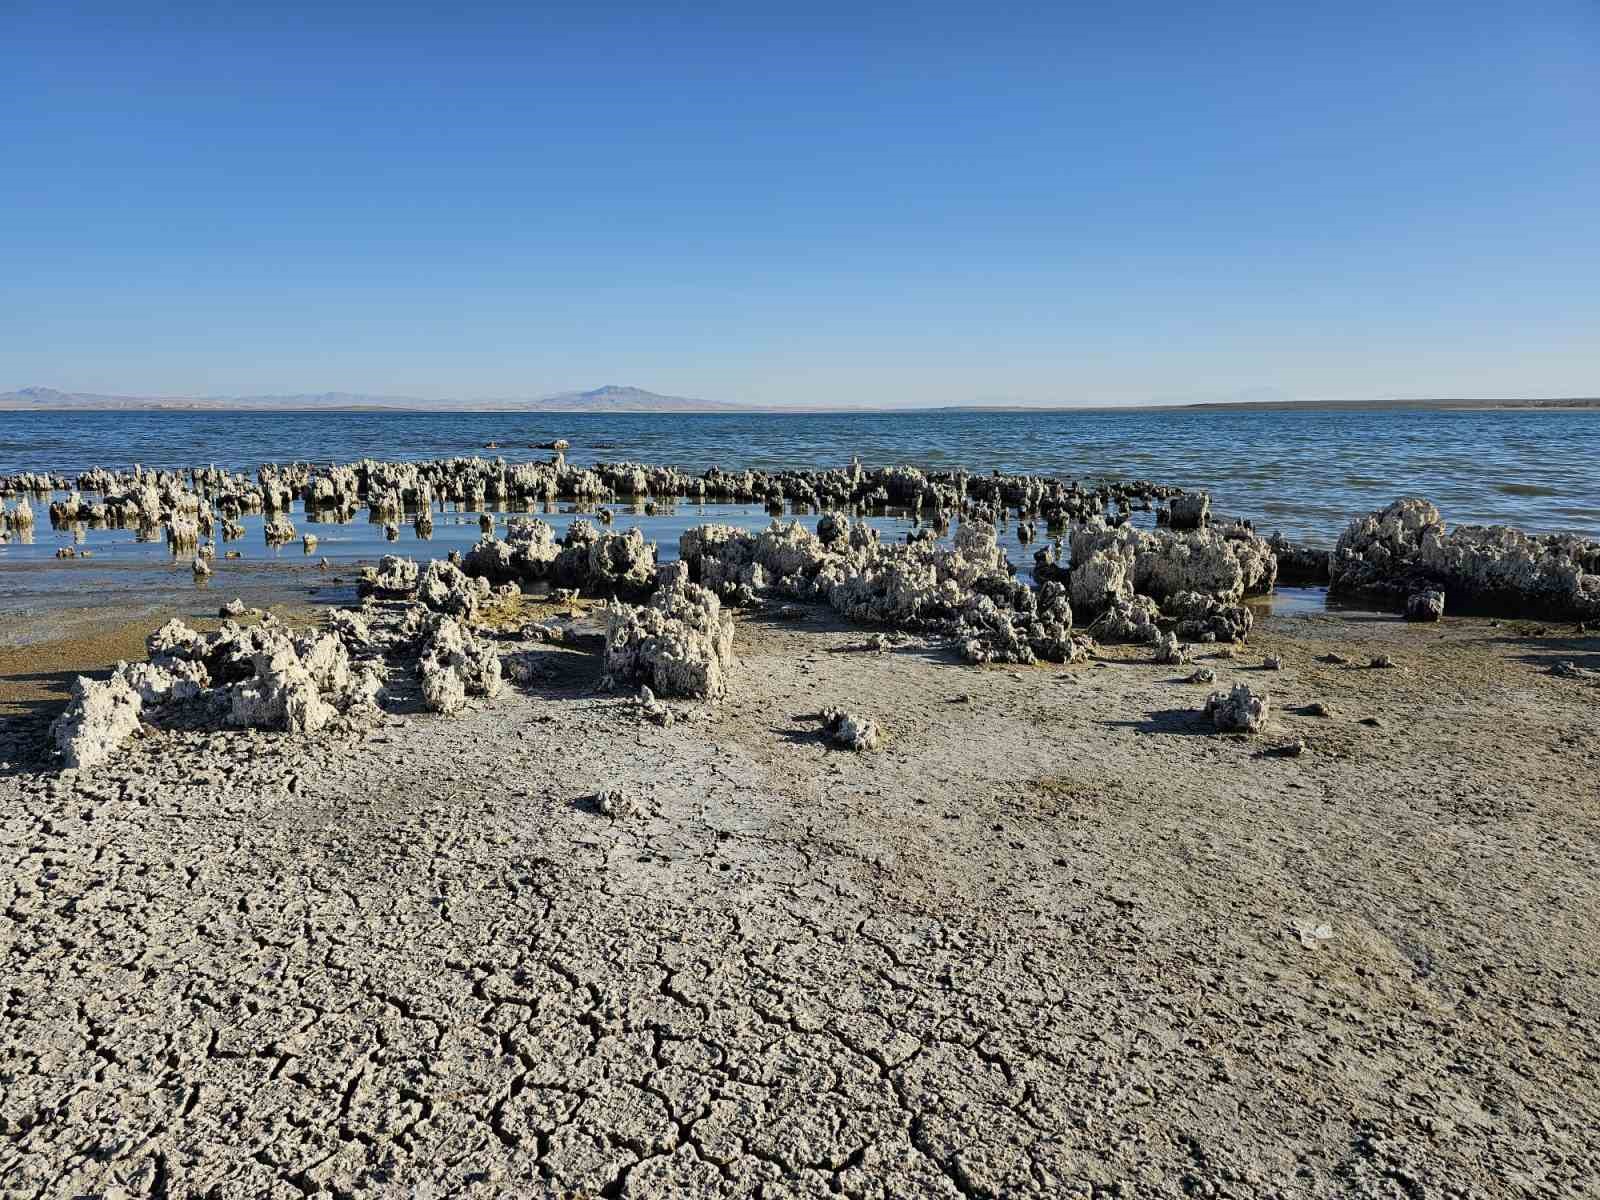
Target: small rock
[
  {"x": 1425, "y": 606},
  {"x": 1312, "y": 933},
  {"x": 614, "y": 803},
  {"x": 851, "y": 732},
  {"x": 1381, "y": 662},
  {"x": 1239, "y": 710},
  {"x": 1318, "y": 709},
  {"x": 1202, "y": 675},
  {"x": 1272, "y": 663}
]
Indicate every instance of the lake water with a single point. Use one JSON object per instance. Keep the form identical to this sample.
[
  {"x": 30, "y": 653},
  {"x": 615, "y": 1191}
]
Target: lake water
[{"x": 1306, "y": 473}]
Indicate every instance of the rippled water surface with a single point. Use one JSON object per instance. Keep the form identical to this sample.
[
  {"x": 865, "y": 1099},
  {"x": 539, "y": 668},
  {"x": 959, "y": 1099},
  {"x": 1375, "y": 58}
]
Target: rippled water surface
[{"x": 1303, "y": 472}]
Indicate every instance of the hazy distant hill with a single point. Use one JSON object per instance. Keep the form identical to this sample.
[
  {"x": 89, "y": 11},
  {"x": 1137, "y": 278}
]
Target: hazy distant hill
[
  {"x": 615, "y": 399},
  {"x": 602, "y": 399}
]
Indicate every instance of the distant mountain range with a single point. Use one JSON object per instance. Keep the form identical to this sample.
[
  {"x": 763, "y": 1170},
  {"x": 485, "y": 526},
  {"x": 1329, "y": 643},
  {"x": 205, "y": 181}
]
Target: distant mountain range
[
  {"x": 608, "y": 399},
  {"x": 615, "y": 399}
]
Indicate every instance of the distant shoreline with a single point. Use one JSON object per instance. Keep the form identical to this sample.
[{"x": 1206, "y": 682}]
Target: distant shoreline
[{"x": 1562, "y": 404}]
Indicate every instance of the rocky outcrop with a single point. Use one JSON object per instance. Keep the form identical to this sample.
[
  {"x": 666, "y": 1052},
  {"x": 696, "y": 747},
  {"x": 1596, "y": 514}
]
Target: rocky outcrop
[
  {"x": 100, "y": 716},
  {"x": 1406, "y": 548},
  {"x": 1425, "y": 606},
  {"x": 1189, "y": 510},
  {"x": 392, "y": 577},
  {"x": 278, "y": 530},
  {"x": 1202, "y": 618},
  {"x": 1298, "y": 565},
  {"x": 679, "y": 644},
  {"x": 445, "y": 588},
  {"x": 606, "y": 564},
  {"x": 1224, "y": 562}
]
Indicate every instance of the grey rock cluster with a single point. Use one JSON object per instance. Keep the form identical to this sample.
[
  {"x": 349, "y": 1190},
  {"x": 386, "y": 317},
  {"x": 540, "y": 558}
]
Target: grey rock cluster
[
  {"x": 1406, "y": 550},
  {"x": 263, "y": 677}
]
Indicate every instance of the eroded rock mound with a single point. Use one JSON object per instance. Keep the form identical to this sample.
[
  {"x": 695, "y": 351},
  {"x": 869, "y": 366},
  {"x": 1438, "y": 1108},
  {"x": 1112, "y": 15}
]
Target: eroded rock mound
[
  {"x": 1406, "y": 549},
  {"x": 100, "y": 717},
  {"x": 455, "y": 664},
  {"x": 679, "y": 644}
]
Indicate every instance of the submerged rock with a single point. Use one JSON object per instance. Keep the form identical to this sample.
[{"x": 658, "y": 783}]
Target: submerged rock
[{"x": 278, "y": 530}]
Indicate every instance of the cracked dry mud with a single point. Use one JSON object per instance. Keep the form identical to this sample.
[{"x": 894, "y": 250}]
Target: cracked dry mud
[{"x": 1049, "y": 941}]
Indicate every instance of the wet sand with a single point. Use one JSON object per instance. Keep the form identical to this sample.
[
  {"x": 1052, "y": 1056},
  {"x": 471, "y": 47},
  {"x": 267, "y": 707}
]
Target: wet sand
[{"x": 1056, "y": 939}]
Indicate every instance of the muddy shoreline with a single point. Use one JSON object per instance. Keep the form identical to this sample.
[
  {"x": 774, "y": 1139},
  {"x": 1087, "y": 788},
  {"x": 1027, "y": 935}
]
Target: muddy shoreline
[
  {"x": 1055, "y": 938},
  {"x": 813, "y": 863}
]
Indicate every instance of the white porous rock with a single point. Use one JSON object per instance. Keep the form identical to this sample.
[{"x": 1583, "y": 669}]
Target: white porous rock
[
  {"x": 1100, "y": 579},
  {"x": 1405, "y": 549},
  {"x": 183, "y": 533},
  {"x": 1202, "y": 618},
  {"x": 526, "y": 554},
  {"x": 1130, "y": 619},
  {"x": 679, "y": 644},
  {"x": 175, "y": 640},
  {"x": 290, "y": 677},
  {"x": 233, "y": 608},
  {"x": 445, "y": 588},
  {"x": 1170, "y": 651},
  {"x": 654, "y": 710},
  {"x": 99, "y": 718},
  {"x": 608, "y": 564},
  {"x": 278, "y": 530},
  {"x": 1032, "y": 626},
  {"x": 1425, "y": 606},
  {"x": 1226, "y": 563},
  {"x": 351, "y": 628},
  {"x": 456, "y": 664},
  {"x": 1239, "y": 710},
  {"x": 393, "y": 576},
  {"x": 850, "y": 731},
  {"x": 177, "y": 681}
]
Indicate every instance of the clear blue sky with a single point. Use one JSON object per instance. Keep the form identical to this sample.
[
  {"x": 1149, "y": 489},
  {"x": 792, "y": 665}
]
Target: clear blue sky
[{"x": 1106, "y": 203}]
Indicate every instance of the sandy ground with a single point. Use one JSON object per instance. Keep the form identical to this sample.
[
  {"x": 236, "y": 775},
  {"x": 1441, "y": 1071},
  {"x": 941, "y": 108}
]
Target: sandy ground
[{"x": 1055, "y": 939}]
